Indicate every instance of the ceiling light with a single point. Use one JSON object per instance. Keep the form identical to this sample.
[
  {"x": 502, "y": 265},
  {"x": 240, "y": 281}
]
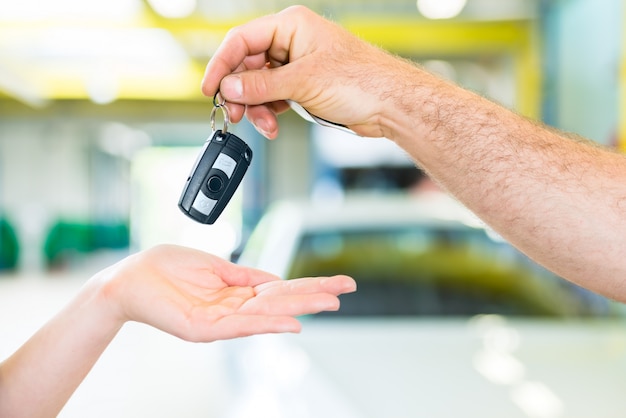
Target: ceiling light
[{"x": 440, "y": 9}]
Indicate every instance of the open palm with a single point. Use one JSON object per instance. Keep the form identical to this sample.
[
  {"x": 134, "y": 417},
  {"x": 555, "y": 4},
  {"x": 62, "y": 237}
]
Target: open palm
[{"x": 201, "y": 297}]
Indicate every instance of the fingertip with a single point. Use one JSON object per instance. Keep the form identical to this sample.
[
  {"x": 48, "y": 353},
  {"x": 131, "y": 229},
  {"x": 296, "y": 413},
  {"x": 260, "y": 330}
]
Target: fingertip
[
  {"x": 263, "y": 120},
  {"x": 209, "y": 84},
  {"x": 333, "y": 304},
  {"x": 265, "y": 128},
  {"x": 340, "y": 284},
  {"x": 205, "y": 89},
  {"x": 290, "y": 325},
  {"x": 351, "y": 285},
  {"x": 348, "y": 281}
]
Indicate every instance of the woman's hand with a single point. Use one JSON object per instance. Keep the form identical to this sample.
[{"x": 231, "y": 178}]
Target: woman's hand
[{"x": 200, "y": 297}]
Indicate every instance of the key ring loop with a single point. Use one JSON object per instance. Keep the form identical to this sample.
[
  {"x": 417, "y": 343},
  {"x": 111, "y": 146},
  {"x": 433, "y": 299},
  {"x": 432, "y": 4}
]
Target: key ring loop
[
  {"x": 215, "y": 102},
  {"x": 224, "y": 109}
]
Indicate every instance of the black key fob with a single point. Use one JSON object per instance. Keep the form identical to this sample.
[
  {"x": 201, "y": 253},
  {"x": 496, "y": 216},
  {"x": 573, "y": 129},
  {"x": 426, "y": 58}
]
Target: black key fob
[{"x": 215, "y": 176}]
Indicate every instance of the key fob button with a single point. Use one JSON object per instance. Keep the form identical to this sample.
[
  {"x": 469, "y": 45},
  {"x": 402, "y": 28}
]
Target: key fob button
[{"x": 214, "y": 184}]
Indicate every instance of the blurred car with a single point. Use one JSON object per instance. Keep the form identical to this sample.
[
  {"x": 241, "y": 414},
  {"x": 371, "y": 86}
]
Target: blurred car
[{"x": 448, "y": 321}]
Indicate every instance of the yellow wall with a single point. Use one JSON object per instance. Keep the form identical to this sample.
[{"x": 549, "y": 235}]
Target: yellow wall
[{"x": 411, "y": 37}]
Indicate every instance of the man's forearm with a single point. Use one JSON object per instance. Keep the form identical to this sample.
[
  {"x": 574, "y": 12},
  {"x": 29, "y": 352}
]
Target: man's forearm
[{"x": 561, "y": 201}]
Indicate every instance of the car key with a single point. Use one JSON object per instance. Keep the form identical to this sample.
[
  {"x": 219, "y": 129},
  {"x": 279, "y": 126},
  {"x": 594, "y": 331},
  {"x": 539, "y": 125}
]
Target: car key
[{"x": 216, "y": 174}]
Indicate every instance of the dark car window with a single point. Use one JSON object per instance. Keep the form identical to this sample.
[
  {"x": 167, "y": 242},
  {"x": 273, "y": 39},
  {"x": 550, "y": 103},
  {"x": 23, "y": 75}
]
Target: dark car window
[{"x": 429, "y": 270}]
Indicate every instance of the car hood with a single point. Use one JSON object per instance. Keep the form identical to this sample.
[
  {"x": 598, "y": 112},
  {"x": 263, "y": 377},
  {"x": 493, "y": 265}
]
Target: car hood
[{"x": 487, "y": 366}]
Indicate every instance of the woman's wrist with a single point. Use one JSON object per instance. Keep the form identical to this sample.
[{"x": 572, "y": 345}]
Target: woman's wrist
[
  {"x": 68, "y": 345},
  {"x": 101, "y": 295}
]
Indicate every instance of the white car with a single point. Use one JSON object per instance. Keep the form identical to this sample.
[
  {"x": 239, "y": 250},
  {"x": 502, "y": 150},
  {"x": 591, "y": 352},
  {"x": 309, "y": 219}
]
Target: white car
[{"x": 448, "y": 321}]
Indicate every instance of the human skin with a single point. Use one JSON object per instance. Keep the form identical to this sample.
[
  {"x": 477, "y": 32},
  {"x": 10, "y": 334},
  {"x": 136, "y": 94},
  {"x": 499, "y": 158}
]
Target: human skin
[
  {"x": 190, "y": 294},
  {"x": 558, "y": 198}
]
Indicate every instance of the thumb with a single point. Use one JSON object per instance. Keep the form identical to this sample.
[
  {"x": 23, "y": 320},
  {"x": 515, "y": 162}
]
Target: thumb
[{"x": 255, "y": 87}]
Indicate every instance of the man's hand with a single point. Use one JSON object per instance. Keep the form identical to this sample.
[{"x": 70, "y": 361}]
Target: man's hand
[{"x": 298, "y": 55}]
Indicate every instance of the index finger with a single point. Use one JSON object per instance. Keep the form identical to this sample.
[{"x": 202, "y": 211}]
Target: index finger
[
  {"x": 335, "y": 285},
  {"x": 256, "y": 37}
]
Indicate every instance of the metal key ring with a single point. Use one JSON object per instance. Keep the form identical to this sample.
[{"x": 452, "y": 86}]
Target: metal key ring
[
  {"x": 224, "y": 109},
  {"x": 215, "y": 102}
]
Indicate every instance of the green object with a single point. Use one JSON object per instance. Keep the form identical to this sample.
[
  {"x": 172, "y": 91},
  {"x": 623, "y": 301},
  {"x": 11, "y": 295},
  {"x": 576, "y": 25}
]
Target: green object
[
  {"x": 9, "y": 246},
  {"x": 67, "y": 239}
]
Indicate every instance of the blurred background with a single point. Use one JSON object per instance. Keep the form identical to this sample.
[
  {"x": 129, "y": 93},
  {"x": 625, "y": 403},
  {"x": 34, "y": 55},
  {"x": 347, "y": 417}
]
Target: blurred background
[{"x": 101, "y": 119}]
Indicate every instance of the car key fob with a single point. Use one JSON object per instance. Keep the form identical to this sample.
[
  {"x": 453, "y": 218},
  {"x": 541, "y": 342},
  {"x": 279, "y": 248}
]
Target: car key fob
[{"x": 215, "y": 176}]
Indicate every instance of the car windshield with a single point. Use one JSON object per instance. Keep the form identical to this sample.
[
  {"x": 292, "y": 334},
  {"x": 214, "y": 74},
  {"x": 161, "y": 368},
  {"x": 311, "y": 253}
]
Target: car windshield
[{"x": 442, "y": 271}]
